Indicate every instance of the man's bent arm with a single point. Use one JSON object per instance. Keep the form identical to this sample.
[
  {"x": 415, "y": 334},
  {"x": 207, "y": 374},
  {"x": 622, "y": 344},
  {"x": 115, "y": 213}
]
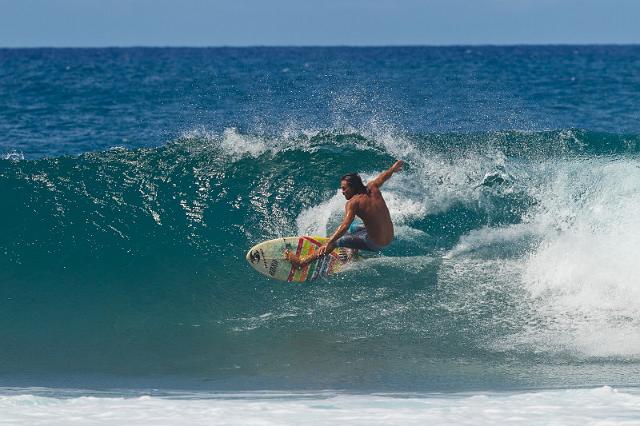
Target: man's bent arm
[
  {"x": 384, "y": 176},
  {"x": 348, "y": 219},
  {"x": 330, "y": 245},
  {"x": 350, "y": 215}
]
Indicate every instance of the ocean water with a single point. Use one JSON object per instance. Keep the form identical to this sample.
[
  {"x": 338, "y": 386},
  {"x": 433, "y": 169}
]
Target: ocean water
[{"x": 132, "y": 182}]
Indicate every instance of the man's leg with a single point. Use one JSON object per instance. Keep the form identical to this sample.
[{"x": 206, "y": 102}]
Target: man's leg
[{"x": 356, "y": 241}]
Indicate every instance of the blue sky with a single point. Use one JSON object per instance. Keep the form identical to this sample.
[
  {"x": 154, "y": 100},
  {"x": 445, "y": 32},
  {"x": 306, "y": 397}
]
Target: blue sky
[{"x": 80, "y": 23}]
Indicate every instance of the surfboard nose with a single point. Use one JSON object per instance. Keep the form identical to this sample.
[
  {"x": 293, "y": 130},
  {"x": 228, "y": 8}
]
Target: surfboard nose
[{"x": 253, "y": 256}]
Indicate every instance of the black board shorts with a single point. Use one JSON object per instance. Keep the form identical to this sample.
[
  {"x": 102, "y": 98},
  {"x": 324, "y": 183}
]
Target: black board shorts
[{"x": 357, "y": 238}]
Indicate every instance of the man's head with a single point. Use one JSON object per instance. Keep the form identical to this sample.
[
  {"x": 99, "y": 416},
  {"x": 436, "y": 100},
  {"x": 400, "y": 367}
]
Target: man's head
[{"x": 351, "y": 184}]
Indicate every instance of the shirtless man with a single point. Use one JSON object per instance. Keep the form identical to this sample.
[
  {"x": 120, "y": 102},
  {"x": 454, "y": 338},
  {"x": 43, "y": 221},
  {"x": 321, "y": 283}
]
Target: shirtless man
[{"x": 367, "y": 203}]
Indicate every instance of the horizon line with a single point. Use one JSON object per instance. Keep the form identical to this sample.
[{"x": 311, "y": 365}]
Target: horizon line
[{"x": 302, "y": 46}]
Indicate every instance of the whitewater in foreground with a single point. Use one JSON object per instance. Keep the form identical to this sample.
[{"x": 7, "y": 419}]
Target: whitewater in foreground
[{"x": 597, "y": 406}]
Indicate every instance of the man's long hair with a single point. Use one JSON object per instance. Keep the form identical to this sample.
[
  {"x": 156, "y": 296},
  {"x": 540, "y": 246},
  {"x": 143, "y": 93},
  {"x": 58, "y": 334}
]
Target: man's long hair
[{"x": 355, "y": 182}]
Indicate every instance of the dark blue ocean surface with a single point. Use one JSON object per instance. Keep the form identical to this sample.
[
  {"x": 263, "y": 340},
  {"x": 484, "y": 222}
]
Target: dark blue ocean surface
[
  {"x": 61, "y": 101},
  {"x": 133, "y": 181}
]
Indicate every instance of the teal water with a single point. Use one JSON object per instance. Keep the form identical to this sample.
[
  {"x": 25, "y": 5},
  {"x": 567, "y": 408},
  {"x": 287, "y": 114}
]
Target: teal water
[{"x": 134, "y": 180}]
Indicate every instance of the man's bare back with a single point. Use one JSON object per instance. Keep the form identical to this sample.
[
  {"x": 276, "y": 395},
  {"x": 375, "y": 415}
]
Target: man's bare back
[
  {"x": 367, "y": 203},
  {"x": 373, "y": 211}
]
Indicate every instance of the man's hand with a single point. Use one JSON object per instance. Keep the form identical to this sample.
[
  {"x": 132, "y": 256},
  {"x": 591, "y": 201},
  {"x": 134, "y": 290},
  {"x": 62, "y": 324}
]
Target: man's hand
[
  {"x": 397, "y": 166},
  {"x": 326, "y": 249},
  {"x": 384, "y": 176}
]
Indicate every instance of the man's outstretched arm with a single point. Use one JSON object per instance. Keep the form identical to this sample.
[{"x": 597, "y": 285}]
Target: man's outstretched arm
[{"x": 384, "y": 176}]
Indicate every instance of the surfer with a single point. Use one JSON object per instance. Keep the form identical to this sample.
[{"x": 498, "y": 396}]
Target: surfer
[{"x": 367, "y": 203}]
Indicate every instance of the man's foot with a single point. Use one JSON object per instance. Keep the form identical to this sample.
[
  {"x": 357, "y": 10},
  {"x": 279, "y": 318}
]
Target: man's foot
[{"x": 295, "y": 260}]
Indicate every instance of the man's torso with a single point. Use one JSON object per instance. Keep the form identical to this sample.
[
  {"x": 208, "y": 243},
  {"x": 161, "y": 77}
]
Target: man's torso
[{"x": 373, "y": 211}]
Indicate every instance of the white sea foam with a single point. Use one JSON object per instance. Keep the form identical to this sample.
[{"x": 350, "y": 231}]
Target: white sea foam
[
  {"x": 585, "y": 275},
  {"x": 13, "y": 156},
  {"x": 314, "y": 220},
  {"x": 235, "y": 145},
  {"x": 490, "y": 237},
  {"x": 581, "y": 271},
  {"x": 599, "y": 406}
]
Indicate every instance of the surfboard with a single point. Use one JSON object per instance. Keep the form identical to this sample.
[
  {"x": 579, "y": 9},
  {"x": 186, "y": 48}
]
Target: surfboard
[{"x": 268, "y": 258}]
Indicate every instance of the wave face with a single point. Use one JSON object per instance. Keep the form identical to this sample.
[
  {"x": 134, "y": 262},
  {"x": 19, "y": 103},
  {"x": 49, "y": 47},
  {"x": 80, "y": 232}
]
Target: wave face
[{"x": 514, "y": 262}]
